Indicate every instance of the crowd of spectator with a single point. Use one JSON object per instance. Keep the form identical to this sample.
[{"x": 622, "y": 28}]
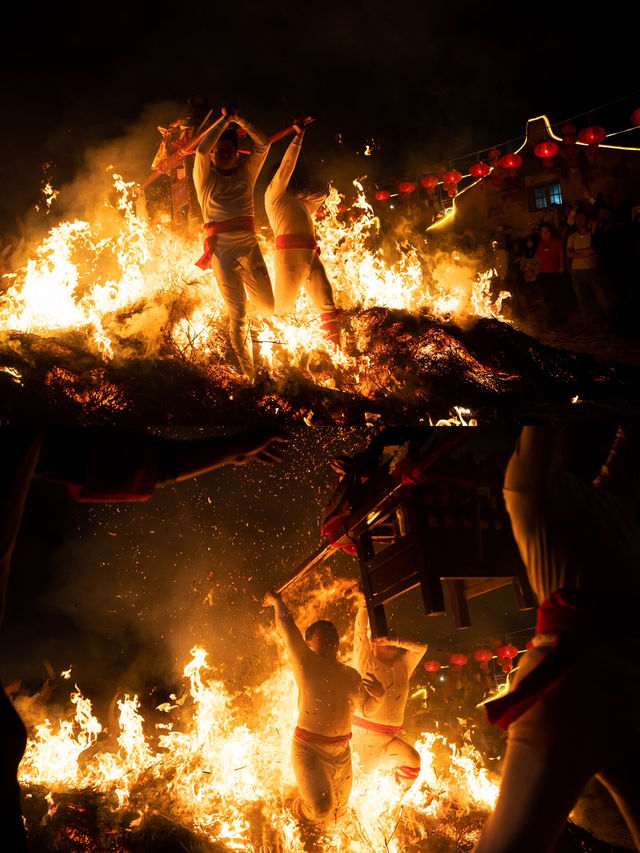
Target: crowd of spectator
[{"x": 582, "y": 271}]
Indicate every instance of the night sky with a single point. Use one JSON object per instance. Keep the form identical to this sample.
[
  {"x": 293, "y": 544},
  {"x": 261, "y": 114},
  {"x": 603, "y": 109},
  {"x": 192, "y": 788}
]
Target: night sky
[
  {"x": 121, "y": 592},
  {"x": 428, "y": 81}
]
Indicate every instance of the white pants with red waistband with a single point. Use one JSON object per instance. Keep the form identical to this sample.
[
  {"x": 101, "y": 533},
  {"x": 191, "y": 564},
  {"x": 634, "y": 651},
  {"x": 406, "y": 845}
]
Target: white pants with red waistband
[
  {"x": 587, "y": 725},
  {"x": 324, "y": 777},
  {"x": 244, "y": 282},
  {"x": 298, "y": 268},
  {"x": 386, "y": 752}
]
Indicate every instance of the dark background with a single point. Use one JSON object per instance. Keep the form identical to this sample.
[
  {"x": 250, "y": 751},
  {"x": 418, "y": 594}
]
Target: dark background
[
  {"x": 428, "y": 81},
  {"x": 120, "y": 591}
]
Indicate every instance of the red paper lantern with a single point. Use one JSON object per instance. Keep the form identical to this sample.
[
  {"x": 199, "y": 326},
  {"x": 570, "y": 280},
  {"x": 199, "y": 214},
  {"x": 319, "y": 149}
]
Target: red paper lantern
[
  {"x": 459, "y": 660},
  {"x": 430, "y": 182},
  {"x": 407, "y": 187},
  {"x": 483, "y": 656},
  {"x": 510, "y": 163},
  {"x": 592, "y": 135},
  {"x": 506, "y": 654},
  {"x": 452, "y": 177},
  {"x": 432, "y": 666},
  {"x": 321, "y": 213},
  {"x": 494, "y": 156},
  {"x": 635, "y": 117},
  {"x": 568, "y": 129},
  {"x": 479, "y": 170},
  {"x": 546, "y": 151},
  {"x": 383, "y": 195},
  {"x": 342, "y": 207}
]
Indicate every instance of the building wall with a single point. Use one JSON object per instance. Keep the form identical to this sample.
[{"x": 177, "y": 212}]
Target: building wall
[{"x": 615, "y": 173}]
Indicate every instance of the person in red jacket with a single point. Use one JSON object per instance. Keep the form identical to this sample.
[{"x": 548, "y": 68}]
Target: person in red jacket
[{"x": 551, "y": 264}]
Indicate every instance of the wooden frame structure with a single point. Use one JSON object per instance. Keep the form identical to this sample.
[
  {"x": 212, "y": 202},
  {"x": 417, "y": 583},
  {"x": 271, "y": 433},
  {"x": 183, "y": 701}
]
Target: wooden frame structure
[{"x": 449, "y": 537}]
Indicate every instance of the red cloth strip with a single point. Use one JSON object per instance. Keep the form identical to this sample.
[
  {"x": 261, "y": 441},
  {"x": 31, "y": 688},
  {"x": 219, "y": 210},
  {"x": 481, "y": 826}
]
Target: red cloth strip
[
  {"x": 321, "y": 740},
  {"x": 335, "y": 527},
  {"x": 297, "y": 241},
  {"x": 137, "y": 485},
  {"x": 212, "y": 229},
  {"x": 407, "y": 772},
  {"x": 557, "y": 616},
  {"x": 376, "y": 727}
]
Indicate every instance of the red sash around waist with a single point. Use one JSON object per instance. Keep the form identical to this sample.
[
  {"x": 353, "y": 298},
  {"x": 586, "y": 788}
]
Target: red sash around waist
[
  {"x": 570, "y": 619},
  {"x": 376, "y": 727},
  {"x": 320, "y": 740},
  {"x": 212, "y": 229},
  {"x": 297, "y": 241}
]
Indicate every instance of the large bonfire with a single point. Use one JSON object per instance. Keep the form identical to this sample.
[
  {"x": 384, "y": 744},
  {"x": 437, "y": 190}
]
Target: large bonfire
[
  {"x": 217, "y": 765},
  {"x": 109, "y": 318},
  {"x": 99, "y": 295}
]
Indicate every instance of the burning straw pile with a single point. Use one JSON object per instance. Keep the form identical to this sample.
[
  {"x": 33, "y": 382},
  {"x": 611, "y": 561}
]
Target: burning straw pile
[
  {"x": 110, "y": 321},
  {"x": 209, "y": 770}
]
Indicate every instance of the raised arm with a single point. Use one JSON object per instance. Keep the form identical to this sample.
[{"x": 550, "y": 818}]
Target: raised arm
[
  {"x": 414, "y": 651},
  {"x": 202, "y": 164},
  {"x": 296, "y": 646},
  {"x": 261, "y": 145},
  {"x": 361, "y": 642},
  {"x": 280, "y": 180}
]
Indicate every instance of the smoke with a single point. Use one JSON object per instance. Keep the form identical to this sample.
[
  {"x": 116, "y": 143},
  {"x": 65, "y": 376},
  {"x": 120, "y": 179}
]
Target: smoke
[{"x": 129, "y": 589}]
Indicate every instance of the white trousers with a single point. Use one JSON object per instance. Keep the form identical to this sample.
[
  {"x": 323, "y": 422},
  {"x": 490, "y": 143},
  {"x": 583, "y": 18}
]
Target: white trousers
[
  {"x": 297, "y": 268},
  {"x": 243, "y": 279},
  {"x": 324, "y": 779}
]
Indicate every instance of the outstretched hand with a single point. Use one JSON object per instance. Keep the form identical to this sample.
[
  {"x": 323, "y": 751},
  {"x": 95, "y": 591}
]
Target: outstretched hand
[
  {"x": 372, "y": 685},
  {"x": 271, "y": 599},
  {"x": 356, "y": 592},
  {"x": 267, "y": 445},
  {"x": 230, "y": 111}
]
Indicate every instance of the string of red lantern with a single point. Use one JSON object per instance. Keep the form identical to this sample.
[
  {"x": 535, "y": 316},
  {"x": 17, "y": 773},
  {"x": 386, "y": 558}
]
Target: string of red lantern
[
  {"x": 593, "y": 136},
  {"x": 505, "y": 656}
]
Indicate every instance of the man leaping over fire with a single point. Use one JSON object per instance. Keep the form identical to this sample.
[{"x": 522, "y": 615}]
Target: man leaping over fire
[
  {"x": 290, "y": 209},
  {"x": 375, "y": 735},
  {"x": 225, "y": 192},
  {"x": 580, "y": 541},
  {"x": 328, "y": 694}
]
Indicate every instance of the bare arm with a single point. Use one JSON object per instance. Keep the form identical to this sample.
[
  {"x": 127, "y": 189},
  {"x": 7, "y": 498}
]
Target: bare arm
[{"x": 296, "y": 646}]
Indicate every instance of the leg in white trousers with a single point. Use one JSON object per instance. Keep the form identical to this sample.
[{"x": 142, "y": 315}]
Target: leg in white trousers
[
  {"x": 298, "y": 268},
  {"x": 241, "y": 272}
]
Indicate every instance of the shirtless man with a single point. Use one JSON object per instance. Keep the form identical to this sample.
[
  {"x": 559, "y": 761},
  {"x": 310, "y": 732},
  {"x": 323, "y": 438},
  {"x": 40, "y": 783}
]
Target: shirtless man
[
  {"x": 225, "y": 193},
  {"x": 290, "y": 210},
  {"x": 577, "y": 531},
  {"x": 375, "y": 735},
  {"x": 328, "y": 694}
]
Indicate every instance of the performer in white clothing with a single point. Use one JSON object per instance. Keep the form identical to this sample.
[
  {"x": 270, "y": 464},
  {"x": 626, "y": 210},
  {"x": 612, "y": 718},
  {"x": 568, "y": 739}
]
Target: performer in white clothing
[
  {"x": 225, "y": 192},
  {"x": 297, "y": 263},
  {"x": 579, "y": 538},
  {"x": 376, "y": 738}
]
